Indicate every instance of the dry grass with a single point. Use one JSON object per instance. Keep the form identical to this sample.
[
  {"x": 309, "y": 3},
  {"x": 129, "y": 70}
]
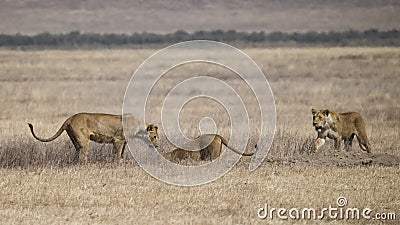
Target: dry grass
[
  {"x": 40, "y": 185},
  {"x": 98, "y": 194}
]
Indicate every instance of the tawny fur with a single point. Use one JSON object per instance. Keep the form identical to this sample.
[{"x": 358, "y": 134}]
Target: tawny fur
[
  {"x": 209, "y": 148},
  {"x": 100, "y": 128},
  {"x": 341, "y": 127}
]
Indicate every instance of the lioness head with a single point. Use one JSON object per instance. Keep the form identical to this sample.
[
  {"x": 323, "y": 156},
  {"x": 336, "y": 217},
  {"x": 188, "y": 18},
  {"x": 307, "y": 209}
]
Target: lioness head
[
  {"x": 320, "y": 118},
  {"x": 152, "y": 131}
]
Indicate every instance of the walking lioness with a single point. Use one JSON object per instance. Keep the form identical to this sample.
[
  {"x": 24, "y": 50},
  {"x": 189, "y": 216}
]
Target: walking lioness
[
  {"x": 209, "y": 145},
  {"x": 339, "y": 127},
  {"x": 100, "y": 128}
]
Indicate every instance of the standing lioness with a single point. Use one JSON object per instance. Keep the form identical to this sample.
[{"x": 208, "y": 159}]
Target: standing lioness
[
  {"x": 339, "y": 127},
  {"x": 100, "y": 128}
]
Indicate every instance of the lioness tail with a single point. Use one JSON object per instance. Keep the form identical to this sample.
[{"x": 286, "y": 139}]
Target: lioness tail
[
  {"x": 233, "y": 149},
  {"x": 59, "y": 132}
]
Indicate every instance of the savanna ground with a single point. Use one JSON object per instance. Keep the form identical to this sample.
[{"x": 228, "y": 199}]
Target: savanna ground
[{"x": 39, "y": 185}]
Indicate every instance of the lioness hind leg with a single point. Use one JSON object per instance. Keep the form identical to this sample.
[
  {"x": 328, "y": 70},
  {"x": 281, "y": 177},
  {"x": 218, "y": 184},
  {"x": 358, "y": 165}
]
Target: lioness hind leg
[
  {"x": 75, "y": 142},
  {"x": 363, "y": 142},
  {"x": 81, "y": 151},
  {"x": 362, "y": 136},
  {"x": 123, "y": 149},
  {"x": 205, "y": 154},
  {"x": 217, "y": 149},
  {"x": 83, "y": 154},
  {"x": 119, "y": 147},
  {"x": 81, "y": 145}
]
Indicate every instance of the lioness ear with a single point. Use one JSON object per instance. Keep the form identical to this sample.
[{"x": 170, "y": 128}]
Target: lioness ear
[
  {"x": 326, "y": 112},
  {"x": 313, "y": 111}
]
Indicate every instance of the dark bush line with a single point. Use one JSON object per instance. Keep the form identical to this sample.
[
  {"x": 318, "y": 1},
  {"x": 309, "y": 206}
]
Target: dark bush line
[{"x": 75, "y": 39}]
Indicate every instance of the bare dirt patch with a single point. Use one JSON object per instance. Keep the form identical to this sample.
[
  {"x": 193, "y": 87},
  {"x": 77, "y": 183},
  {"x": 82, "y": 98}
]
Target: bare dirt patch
[{"x": 344, "y": 159}]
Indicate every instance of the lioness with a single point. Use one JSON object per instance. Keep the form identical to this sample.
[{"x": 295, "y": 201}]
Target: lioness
[
  {"x": 210, "y": 146},
  {"x": 100, "y": 128},
  {"x": 339, "y": 127}
]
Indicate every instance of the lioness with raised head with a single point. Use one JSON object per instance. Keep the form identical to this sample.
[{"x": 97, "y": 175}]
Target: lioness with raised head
[
  {"x": 339, "y": 127},
  {"x": 209, "y": 145},
  {"x": 100, "y": 128}
]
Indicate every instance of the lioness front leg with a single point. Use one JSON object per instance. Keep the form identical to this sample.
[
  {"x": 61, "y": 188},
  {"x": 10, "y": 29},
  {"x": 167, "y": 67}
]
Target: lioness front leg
[
  {"x": 338, "y": 143},
  {"x": 348, "y": 142},
  {"x": 318, "y": 143},
  {"x": 337, "y": 139}
]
